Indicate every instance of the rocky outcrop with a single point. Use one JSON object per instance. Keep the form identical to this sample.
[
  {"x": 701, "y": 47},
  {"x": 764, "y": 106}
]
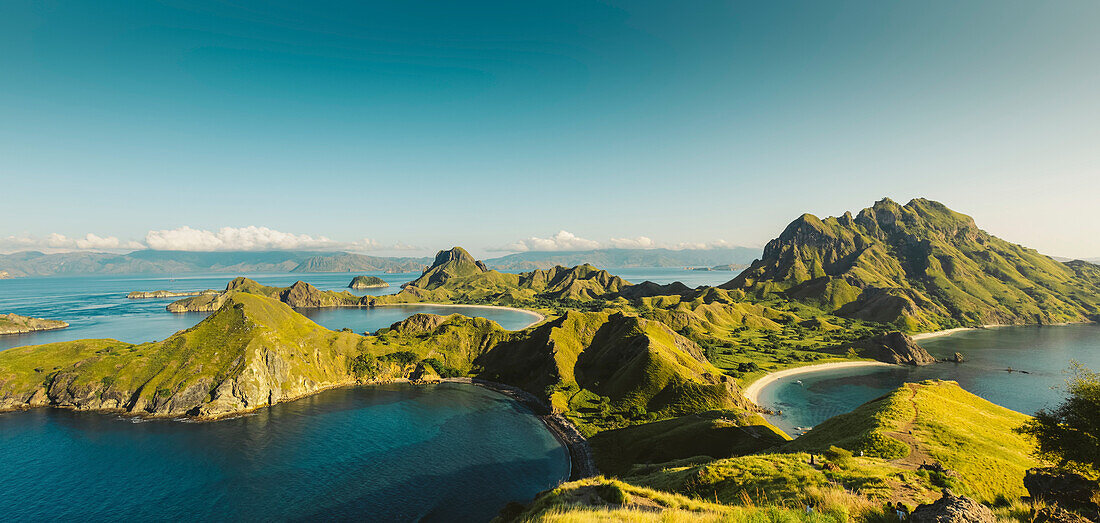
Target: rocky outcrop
[
  {"x": 648, "y": 289},
  {"x": 1056, "y": 514},
  {"x": 367, "y": 282},
  {"x": 298, "y": 295},
  {"x": 894, "y": 347},
  {"x": 419, "y": 323},
  {"x": 1067, "y": 489},
  {"x": 5, "y": 275},
  {"x": 139, "y": 295},
  {"x": 453, "y": 263},
  {"x": 16, "y": 324},
  {"x": 952, "y": 509}
]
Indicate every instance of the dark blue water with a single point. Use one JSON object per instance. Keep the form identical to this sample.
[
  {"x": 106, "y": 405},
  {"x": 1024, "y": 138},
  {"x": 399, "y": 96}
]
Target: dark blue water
[
  {"x": 447, "y": 452},
  {"x": 1045, "y": 353},
  {"x": 97, "y": 307}
]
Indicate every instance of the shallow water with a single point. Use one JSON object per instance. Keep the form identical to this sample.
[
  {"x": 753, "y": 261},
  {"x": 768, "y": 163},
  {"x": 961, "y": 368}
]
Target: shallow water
[
  {"x": 1045, "y": 353},
  {"x": 447, "y": 452}
]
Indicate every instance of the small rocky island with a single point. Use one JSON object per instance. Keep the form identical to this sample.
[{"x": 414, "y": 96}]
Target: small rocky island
[
  {"x": 367, "y": 282},
  {"x": 5, "y": 275},
  {"x": 139, "y": 295},
  {"x": 16, "y": 324}
]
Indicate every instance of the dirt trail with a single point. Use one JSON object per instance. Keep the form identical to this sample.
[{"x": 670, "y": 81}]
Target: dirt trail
[{"x": 916, "y": 457}]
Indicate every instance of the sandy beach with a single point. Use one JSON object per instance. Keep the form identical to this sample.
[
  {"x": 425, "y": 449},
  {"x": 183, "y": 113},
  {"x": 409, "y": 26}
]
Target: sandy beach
[
  {"x": 948, "y": 332},
  {"x": 752, "y": 392},
  {"x": 538, "y": 318}
]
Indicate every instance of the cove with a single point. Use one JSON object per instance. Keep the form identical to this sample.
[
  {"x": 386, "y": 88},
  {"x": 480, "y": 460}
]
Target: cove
[
  {"x": 447, "y": 452},
  {"x": 1043, "y": 352}
]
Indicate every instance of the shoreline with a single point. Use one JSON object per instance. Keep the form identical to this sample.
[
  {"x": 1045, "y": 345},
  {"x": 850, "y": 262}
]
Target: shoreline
[
  {"x": 752, "y": 392},
  {"x": 539, "y": 317},
  {"x": 581, "y": 463}
]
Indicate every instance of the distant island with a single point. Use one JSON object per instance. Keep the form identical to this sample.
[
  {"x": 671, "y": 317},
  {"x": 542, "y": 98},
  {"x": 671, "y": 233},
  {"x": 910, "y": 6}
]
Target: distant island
[
  {"x": 367, "y": 282},
  {"x": 16, "y": 324},
  {"x": 5, "y": 275},
  {"x": 138, "y": 295}
]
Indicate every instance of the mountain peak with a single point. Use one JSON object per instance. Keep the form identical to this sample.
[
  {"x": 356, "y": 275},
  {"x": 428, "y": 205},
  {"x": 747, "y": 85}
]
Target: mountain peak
[{"x": 456, "y": 262}]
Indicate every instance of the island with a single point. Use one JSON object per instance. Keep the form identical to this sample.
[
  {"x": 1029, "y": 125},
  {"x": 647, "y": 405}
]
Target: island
[
  {"x": 5, "y": 275},
  {"x": 367, "y": 282},
  {"x": 650, "y": 385},
  {"x": 16, "y": 324},
  {"x": 139, "y": 295}
]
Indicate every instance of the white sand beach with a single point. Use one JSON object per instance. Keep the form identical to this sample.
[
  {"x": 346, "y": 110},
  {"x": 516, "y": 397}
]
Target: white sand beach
[{"x": 752, "y": 392}]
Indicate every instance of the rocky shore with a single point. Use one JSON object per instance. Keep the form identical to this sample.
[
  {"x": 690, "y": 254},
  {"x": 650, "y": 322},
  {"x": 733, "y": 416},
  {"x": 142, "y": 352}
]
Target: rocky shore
[{"x": 582, "y": 465}]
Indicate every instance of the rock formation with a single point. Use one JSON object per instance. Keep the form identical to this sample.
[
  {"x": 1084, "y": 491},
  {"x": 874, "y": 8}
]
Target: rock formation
[
  {"x": 16, "y": 324},
  {"x": 894, "y": 347},
  {"x": 952, "y": 509}
]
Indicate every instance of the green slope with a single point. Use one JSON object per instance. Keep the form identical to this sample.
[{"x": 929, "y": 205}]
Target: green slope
[
  {"x": 964, "y": 432},
  {"x": 920, "y": 266}
]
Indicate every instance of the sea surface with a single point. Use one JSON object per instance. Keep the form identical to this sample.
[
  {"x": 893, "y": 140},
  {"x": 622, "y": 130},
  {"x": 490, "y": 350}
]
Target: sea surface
[
  {"x": 1043, "y": 354},
  {"x": 448, "y": 452}
]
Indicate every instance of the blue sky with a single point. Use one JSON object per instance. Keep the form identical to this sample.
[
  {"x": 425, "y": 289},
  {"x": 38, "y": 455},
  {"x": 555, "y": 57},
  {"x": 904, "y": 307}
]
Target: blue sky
[{"x": 428, "y": 124}]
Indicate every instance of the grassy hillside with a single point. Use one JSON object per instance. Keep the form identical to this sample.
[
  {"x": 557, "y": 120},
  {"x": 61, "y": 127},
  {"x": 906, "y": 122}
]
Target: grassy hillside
[
  {"x": 714, "y": 434},
  {"x": 252, "y": 352},
  {"x": 964, "y": 432},
  {"x": 920, "y": 266},
  {"x": 603, "y": 499}
]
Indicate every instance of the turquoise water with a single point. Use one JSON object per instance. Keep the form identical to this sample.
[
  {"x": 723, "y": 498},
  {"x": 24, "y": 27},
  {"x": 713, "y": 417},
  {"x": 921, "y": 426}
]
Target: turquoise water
[
  {"x": 97, "y": 307},
  {"x": 1043, "y": 352},
  {"x": 448, "y": 452}
]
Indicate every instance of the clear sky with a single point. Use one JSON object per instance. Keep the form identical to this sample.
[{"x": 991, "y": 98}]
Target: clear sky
[{"x": 487, "y": 124}]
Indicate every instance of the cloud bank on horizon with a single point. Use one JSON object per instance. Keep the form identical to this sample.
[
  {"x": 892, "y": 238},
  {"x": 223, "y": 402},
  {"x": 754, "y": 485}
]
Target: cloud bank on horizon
[
  {"x": 257, "y": 238},
  {"x": 567, "y": 241}
]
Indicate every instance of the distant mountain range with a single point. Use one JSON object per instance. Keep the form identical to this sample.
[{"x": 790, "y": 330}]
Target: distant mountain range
[
  {"x": 32, "y": 263},
  {"x": 626, "y": 258}
]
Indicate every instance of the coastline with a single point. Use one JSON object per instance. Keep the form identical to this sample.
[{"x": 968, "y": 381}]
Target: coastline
[
  {"x": 752, "y": 392},
  {"x": 539, "y": 317},
  {"x": 581, "y": 463}
]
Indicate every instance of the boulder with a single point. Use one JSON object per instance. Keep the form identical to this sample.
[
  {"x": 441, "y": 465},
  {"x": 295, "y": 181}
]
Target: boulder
[
  {"x": 1064, "y": 488},
  {"x": 952, "y": 509},
  {"x": 1056, "y": 514},
  {"x": 958, "y": 358}
]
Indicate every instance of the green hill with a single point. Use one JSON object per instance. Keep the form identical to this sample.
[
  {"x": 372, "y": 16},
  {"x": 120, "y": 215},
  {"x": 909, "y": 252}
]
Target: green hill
[
  {"x": 252, "y": 352},
  {"x": 455, "y": 276},
  {"x": 964, "y": 432},
  {"x": 713, "y": 434},
  {"x": 920, "y": 266}
]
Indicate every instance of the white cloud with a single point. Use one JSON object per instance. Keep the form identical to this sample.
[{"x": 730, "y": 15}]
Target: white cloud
[
  {"x": 56, "y": 242},
  {"x": 567, "y": 241},
  {"x": 640, "y": 242},
  {"x": 562, "y": 241},
  {"x": 249, "y": 238},
  {"x": 716, "y": 244}
]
